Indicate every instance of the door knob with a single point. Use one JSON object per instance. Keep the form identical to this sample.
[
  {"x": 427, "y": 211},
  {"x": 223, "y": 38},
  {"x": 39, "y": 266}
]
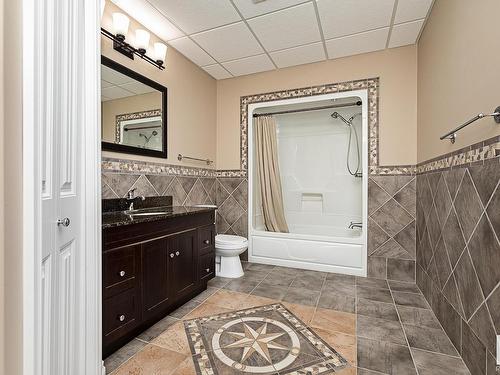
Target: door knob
[
  {"x": 122, "y": 273},
  {"x": 121, "y": 318},
  {"x": 172, "y": 255},
  {"x": 177, "y": 253},
  {"x": 206, "y": 242},
  {"x": 64, "y": 222},
  {"x": 207, "y": 269}
]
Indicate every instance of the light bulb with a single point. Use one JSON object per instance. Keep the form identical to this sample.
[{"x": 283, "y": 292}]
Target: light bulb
[
  {"x": 120, "y": 25},
  {"x": 142, "y": 40},
  {"x": 160, "y": 52}
]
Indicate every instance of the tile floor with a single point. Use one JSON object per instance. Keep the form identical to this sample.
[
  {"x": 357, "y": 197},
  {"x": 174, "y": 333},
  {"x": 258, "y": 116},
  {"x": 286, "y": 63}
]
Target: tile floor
[{"x": 379, "y": 327}]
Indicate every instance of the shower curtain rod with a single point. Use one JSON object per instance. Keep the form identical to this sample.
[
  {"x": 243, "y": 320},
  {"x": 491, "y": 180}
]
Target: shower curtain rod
[
  {"x": 141, "y": 127},
  {"x": 358, "y": 103}
]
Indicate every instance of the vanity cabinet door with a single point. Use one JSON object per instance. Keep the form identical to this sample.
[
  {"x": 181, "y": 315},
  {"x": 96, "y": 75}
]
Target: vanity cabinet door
[
  {"x": 155, "y": 277},
  {"x": 184, "y": 262}
]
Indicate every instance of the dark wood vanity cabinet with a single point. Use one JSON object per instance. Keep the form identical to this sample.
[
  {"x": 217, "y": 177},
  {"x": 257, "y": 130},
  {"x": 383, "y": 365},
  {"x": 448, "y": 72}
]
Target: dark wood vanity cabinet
[
  {"x": 156, "y": 278},
  {"x": 149, "y": 269}
]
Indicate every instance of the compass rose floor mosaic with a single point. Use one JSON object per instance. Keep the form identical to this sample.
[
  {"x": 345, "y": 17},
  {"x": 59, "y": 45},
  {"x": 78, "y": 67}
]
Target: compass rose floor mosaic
[{"x": 263, "y": 340}]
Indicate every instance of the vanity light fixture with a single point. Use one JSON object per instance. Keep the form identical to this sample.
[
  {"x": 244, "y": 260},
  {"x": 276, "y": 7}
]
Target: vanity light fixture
[
  {"x": 120, "y": 30},
  {"x": 120, "y": 25},
  {"x": 141, "y": 40},
  {"x": 160, "y": 52}
]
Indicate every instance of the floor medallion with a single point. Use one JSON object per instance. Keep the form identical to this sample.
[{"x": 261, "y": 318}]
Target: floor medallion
[{"x": 262, "y": 340}]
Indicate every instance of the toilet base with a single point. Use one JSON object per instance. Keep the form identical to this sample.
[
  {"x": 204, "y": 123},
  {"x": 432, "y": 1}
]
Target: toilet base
[{"x": 228, "y": 266}]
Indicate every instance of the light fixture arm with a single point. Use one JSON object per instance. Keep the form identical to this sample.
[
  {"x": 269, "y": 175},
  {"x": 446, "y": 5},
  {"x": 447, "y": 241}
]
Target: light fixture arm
[{"x": 123, "y": 47}]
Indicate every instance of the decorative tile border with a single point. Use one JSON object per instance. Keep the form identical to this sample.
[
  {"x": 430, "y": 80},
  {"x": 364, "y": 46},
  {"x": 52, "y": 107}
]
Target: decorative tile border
[
  {"x": 133, "y": 116},
  {"x": 475, "y": 154},
  {"x": 204, "y": 349},
  {"x": 139, "y": 167},
  {"x": 370, "y": 84}
]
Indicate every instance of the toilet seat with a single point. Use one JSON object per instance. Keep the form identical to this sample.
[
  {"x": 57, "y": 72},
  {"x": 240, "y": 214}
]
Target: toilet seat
[{"x": 228, "y": 241}]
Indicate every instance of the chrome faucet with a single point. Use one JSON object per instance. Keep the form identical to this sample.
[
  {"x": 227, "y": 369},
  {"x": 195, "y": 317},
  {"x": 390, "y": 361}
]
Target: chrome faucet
[
  {"x": 131, "y": 198},
  {"x": 353, "y": 225}
]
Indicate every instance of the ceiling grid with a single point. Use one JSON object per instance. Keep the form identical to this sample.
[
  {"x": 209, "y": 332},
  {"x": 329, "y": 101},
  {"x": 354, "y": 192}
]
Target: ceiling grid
[{"x": 230, "y": 38}]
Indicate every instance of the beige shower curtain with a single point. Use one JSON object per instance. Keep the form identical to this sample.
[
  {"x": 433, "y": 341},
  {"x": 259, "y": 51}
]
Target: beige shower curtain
[{"x": 266, "y": 153}]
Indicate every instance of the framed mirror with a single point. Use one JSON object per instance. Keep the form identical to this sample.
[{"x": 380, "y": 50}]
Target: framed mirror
[{"x": 133, "y": 112}]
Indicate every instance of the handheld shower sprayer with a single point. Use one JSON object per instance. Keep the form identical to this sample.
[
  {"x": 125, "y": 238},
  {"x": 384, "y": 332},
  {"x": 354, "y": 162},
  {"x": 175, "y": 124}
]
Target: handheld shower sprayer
[
  {"x": 339, "y": 116},
  {"x": 357, "y": 172}
]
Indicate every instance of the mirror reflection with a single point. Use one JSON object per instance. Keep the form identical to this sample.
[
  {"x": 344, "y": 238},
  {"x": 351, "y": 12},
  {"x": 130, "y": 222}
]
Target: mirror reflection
[{"x": 132, "y": 113}]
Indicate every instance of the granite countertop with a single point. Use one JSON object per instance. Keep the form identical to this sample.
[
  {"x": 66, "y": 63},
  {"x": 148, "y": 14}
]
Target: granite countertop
[{"x": 119, "y": 218}]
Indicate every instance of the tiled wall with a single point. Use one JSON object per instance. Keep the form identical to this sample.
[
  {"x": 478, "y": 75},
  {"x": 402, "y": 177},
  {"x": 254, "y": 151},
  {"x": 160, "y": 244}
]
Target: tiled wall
[
  {"x": 185, "y": 190},
  {"x": 458, "y": 256},
  {"x": 391, "y": 227},
  {"x": 232, "y": 198}
]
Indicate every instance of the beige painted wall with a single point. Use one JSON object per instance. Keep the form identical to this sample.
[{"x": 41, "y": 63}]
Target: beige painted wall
[
  {"x": 111, "y": 108},
  {"x": 12, "y": 151},
  {"x": 398, "y": 114},
  {"x": 458, "y": 74},
  {"x": 192, "y": 100}
]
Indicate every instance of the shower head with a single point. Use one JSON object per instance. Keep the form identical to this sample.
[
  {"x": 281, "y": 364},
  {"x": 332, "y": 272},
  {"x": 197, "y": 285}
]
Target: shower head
[{"x": 338, "y": 115}]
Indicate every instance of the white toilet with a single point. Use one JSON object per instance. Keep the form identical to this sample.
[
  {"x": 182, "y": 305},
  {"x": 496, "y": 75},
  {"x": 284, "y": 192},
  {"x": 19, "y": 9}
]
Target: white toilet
[{"x": 227, "y": 255}]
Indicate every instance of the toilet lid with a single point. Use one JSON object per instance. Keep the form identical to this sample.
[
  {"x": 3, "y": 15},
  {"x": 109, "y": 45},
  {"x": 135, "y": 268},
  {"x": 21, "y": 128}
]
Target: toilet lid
[{"x": 227, "y": 239}]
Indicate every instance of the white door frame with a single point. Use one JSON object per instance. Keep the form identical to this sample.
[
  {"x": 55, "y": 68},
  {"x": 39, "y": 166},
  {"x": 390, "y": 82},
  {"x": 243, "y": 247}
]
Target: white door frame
[{"x": 91, "y": 363}]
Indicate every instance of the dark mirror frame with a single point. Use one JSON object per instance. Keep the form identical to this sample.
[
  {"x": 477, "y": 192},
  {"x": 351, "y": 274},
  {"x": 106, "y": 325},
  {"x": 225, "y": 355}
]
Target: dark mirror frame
[{"x": 109, "y": 146}]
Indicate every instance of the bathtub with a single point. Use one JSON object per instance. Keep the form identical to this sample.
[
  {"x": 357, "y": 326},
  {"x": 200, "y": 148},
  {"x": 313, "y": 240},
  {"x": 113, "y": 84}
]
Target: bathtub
[{"x": 318, "y": 248}]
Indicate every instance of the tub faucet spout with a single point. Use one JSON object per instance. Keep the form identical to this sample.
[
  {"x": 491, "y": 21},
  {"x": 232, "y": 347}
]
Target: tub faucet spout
[{"x": 353, "y": 225}]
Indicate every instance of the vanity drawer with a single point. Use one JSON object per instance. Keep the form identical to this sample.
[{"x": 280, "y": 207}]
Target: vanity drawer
[
  {"x": 206, "y": 266},
  {"x": 206, "y": 237},
  {"x": 120, "y": 314},
  {"x": 119, "y": 270}
]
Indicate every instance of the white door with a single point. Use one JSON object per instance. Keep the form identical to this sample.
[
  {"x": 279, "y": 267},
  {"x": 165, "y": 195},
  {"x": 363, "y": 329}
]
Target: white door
[{"x": 61, "y": 76}]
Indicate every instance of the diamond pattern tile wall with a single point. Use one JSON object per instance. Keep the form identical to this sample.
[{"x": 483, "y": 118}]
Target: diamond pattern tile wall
[
  {"x": 185, "y": 191},
  {"x": 391, "y": 227},
  {"x": 458, "y": 256},
  {"x": 232, "y": 201}
]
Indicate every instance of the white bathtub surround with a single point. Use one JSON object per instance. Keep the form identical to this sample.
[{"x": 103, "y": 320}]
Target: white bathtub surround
[
  {"x": 227, "y": 252},
  {"x": 320, "y": 197}
]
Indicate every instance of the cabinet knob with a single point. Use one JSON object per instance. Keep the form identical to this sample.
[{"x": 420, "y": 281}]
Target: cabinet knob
[
  {"x": 121, "y": 318},
  {"x": 121, "y": 273},
  {"x": 172, "y": 255},
  {"x": 206, "y": 242},
  {"x": 177, "y": 253},
  {"x": 207, "y": 269}
]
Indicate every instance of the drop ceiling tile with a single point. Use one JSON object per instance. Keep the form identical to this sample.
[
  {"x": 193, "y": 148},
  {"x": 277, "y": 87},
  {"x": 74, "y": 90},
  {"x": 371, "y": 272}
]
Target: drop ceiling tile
[
  {"x": 250, "y": 8},
  {"x": 229, "y": 42},
  {"x": 138, "y": 88},
  {"x": 359, "y": 43},
  {"x": 345, "y": 17},
  {"x": 299, "y": 55},
  {"x": 405, "y": 33},
  {"x": 192, "y": 51},
  {"x": 150, "y": 18},
  {"x": 114, "y": 77},
  {"x": 217, "y": 71},
  {"x": 115, "y": 92},
  {"x": 193, "y": 16},
  {"x": 410, "y": 10},
  {"x": 105, "y": 83},
  {"x": 287, "y": 28},
  {"x": 249, "y": 65}
]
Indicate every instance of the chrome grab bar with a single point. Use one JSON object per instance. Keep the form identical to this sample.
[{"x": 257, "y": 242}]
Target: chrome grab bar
[
  {"x": 180, "y": 157},
  {"x": 452, "y": 135}
]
